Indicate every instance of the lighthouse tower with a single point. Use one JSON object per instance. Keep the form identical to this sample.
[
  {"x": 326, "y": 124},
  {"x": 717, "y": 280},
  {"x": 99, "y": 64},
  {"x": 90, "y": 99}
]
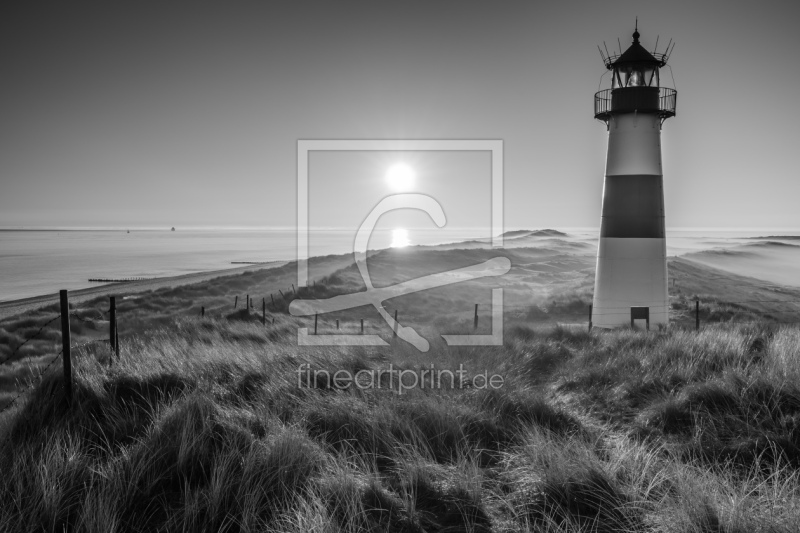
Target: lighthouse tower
[{"x": 631, "y": 277}]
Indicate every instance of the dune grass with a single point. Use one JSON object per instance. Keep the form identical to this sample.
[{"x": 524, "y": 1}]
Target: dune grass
[{"x": 202, "y": 426}]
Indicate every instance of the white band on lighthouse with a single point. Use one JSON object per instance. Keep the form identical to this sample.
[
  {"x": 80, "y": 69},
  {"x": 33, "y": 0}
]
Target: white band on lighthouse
[{"x": 634, "y": 144}]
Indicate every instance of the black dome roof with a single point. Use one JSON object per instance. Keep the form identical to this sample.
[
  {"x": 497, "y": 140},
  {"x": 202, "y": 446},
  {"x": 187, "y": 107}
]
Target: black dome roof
[{"x": 636, "y": 53}]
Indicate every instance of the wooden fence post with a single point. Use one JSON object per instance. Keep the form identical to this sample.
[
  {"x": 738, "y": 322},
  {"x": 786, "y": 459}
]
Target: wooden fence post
[
  {"x": 475, "y": 325},
  {"x": 396, "y": 325},
  {"x": 273, "y": 300},
  {"x": 203, "y": 311},
  {"x": 65, "y": 345},
  {"x": 112, "y": 323},
  {"x": 315, "y": 323},
  {"x": 116, "y": 337},
  {"x": 235, "y": 301},
  {"x": 362, "y": 326},
  {"x": 337, "y": 323}
]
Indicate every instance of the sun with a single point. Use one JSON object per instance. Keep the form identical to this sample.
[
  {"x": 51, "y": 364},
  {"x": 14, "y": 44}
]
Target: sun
[
  {"x": 399, "y": 238},
  {"x": 400, "y": 177}
]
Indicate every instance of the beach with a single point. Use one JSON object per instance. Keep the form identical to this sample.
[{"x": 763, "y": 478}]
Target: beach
[{"x": 23, "y": 305}]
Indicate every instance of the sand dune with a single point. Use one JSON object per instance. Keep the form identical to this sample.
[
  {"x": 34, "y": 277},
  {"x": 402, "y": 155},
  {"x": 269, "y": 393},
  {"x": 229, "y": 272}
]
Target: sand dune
[
  {"x": 533, "y": 233},
  {"x": 559, "y": 244},
  {"x": 553, "y": 240},
  {"x": 768, "y": 260},
  {"x": 775, "y": 243}
]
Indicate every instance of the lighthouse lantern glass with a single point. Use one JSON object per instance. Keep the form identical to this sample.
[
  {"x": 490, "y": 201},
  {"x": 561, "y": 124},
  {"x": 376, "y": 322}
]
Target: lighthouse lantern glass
[
  {"x": 620, "y": 78},
  {"x": 635, "y": 76},
  {"x": 647, "y": 76}
]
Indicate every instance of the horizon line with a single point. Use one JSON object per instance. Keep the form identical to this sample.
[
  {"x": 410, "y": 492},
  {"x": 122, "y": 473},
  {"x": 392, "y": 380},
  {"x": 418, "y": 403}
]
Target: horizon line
[{"x": 343, "y": 228}]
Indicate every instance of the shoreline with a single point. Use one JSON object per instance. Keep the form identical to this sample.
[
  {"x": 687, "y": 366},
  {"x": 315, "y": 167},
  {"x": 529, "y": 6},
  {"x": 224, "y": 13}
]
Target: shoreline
[{"x": 22, "y": 305}]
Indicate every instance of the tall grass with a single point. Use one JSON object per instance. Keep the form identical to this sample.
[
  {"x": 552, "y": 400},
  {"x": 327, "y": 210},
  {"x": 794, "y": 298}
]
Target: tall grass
[{"x": 201, "y": 426}]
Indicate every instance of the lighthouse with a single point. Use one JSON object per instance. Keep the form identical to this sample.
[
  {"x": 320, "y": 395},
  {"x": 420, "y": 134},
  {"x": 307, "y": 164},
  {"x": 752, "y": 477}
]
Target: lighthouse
[{"x": 631, "y": 276}]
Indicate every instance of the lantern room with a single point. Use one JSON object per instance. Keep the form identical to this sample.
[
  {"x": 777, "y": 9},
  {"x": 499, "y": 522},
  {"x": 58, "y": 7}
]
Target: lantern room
[{"x": 635, "y": 84}]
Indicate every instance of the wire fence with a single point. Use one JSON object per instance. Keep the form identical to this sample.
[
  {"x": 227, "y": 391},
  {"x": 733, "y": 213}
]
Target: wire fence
[
  {"x": 36, "y": 335},
  {"x": 89, "y": 320},
  {"x": 683, "y": 313},
  {"x": 738, "y": 311},
  {"x": 33, "y": 337},
  {"x": 705, "y": 306},
  {"x": 31, "y": 383},
  {"x": 43, "y": 371}
]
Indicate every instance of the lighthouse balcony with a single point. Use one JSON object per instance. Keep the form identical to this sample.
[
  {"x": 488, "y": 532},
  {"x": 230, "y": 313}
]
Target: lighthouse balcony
[{"x": 654, "y": 100}]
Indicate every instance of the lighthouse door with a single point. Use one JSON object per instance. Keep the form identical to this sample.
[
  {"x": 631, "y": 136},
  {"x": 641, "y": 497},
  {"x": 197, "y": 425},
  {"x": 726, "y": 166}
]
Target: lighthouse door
[{"x": 640, "y": 313}]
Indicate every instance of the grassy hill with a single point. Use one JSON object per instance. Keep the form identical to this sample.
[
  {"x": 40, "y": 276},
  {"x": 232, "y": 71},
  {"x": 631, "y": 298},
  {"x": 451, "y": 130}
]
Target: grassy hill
[{"x": 224, "y": 424}]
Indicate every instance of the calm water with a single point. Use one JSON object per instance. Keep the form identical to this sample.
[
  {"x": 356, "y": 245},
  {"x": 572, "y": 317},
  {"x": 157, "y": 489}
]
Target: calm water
[{"x": 41, "y": 262}]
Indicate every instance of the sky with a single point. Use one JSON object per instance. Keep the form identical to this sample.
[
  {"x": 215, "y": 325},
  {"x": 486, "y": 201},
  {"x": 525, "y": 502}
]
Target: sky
[{"x": 188, "y": 113}]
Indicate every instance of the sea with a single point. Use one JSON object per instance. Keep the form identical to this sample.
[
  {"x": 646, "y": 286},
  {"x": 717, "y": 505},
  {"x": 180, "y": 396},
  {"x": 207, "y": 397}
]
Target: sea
[
  {"x": 34, "y": 262},
  {"x": 43, "y": 261}
]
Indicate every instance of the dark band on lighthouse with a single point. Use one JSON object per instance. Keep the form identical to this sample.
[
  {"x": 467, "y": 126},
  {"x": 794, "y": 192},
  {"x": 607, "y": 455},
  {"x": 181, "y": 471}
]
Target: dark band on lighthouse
[{"x": 633, "y": 207}]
